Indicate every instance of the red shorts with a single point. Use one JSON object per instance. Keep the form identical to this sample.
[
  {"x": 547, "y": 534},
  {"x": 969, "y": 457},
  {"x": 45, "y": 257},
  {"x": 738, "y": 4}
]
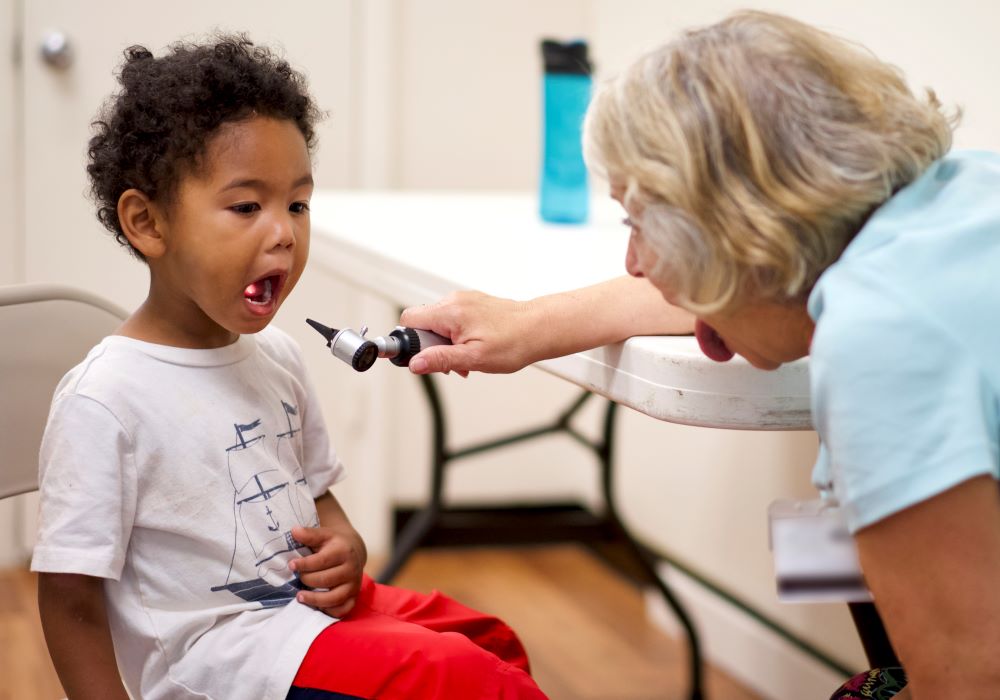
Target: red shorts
[{"x": 397, "y": 643}]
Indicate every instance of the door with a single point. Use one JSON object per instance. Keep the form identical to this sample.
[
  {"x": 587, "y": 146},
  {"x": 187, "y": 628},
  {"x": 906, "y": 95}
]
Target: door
[
  {"x": 10, "y": 257},
  {"x": 63, "y": 242}
]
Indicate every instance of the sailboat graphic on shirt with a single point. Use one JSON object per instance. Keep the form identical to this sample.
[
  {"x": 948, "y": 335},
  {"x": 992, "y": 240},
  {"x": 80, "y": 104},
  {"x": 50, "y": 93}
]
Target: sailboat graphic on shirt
[
  {"x": 268, "y": 501},
  {"x": 300, "y": 496}
]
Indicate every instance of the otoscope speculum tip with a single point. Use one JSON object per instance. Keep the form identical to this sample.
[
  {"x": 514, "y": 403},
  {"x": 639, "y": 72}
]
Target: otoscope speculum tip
[{"x": 324, "y": 331}]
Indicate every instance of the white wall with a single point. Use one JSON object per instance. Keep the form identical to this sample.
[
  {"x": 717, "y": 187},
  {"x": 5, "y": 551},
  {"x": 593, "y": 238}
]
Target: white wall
[
  {"x": 947, "y": 45},
  {"x": 468, "y": 119},
  {"x": 468, "y": 96},
  {"x": 445, "y": 95},
  {"x": 61, "y": 104},
  {"x": 709, "y": 509},
  {"x": 10, "y": 252},
  {"x": 10, "y": 255},
  {"x": 470, "y": 88}
]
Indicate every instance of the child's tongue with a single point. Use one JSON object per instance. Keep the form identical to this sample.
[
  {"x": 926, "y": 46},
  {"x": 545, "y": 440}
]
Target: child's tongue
[
  {"x": 255, "y": 291},
  {"x": 711, "y": 344}
]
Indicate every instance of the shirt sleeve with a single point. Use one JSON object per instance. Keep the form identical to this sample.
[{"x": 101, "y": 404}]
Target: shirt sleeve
[
  {"x": 904, "y": 412},
  {"x": 87, "y": 481}
]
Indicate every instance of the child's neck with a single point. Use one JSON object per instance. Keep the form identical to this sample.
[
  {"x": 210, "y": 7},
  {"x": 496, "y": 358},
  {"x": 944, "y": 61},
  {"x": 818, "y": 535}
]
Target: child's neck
[{"x": 149, "y": 323}]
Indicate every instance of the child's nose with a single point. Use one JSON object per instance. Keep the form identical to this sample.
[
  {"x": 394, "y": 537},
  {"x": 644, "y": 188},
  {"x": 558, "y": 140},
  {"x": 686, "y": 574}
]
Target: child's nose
[{"x": 283, "y": 232}]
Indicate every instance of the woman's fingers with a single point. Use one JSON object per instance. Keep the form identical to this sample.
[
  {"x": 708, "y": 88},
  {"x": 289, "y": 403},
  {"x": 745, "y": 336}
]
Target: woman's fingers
[{"x": 443, "y": 358}]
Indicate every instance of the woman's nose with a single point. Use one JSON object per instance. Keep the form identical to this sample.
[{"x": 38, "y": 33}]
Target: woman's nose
[{"x": 632, "y": 259}]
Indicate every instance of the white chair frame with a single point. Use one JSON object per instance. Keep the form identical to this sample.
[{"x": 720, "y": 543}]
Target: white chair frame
[{"x": 45, "y": 330}]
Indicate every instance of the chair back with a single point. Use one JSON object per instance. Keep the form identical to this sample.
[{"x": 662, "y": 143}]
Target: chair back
[{"x": 45, "y": 330}]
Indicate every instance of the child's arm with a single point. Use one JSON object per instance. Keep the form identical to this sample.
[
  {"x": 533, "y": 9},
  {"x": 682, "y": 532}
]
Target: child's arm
[
  {"x": 337, "y": 562},
  {"x": 78, "y": 637}
]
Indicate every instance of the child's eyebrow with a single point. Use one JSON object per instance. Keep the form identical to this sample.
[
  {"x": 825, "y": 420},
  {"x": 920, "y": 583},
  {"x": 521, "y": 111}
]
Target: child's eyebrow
[{"x": 306, "y": 179}]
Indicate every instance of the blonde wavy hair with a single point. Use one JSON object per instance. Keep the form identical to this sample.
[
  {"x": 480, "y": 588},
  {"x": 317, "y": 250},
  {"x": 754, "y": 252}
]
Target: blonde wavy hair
[{"x": 755, "y": 149}]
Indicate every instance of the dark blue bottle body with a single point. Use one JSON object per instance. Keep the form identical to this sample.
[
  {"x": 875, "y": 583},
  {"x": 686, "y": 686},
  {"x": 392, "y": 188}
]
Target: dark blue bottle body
[{"x": 564, "y": 192}]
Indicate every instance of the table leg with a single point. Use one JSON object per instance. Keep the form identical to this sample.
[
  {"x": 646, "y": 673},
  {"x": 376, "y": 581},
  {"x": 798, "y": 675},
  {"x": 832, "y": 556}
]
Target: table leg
[
  {"x": 641, "y": 555},
  {"x": 417, "y": 530},
  {"x": 874, "y": 638}
]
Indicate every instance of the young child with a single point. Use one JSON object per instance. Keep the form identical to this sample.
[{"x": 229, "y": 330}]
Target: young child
[{"x": 188, "y": 544}]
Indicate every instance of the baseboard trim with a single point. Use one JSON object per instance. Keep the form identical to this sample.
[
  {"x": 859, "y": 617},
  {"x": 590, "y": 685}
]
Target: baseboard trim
[{"x": 733, "y": 640}]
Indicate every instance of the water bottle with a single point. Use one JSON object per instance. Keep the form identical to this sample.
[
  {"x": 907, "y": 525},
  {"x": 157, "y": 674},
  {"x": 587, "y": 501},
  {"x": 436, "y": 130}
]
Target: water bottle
[{"x": 564, "y": 193}]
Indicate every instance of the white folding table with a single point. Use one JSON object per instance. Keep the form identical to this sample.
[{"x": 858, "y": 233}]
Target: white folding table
[{"x": 414, "y": 248}]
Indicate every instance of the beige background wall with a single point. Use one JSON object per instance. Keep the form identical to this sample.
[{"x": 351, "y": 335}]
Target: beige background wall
[
  {"x": 444, "y": 94},
  {"x": 716, "y": 520},
  {"x": 699, "y": 495},
  {"x": 469, "y": 89},
  {"x": 9, "y": 190},
  {"x": 947, "y": 45},
  {"x": 9, "y": 211}
]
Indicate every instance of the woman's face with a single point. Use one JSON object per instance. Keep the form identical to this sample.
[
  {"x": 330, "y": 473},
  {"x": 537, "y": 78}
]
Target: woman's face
[{"x": 766, "y": 334}]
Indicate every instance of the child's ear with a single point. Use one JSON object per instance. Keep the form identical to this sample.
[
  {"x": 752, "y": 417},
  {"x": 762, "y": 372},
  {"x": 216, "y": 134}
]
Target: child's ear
[{"x": 142, "y": 223}]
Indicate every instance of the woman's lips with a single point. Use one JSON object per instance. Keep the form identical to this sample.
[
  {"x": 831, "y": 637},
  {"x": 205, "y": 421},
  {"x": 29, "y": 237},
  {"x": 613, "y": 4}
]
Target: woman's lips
[{"x": 711, "y": 343}]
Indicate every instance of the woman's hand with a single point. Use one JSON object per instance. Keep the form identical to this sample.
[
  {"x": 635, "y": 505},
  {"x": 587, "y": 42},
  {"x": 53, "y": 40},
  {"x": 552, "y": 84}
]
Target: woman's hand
[
  {"x": 488, "y": 334},
  {"x": 336, "y": 564}
]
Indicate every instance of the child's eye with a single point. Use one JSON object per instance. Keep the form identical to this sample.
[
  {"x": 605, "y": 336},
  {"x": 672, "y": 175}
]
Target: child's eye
[
  {"x": 245, "y": 208},
  {"x": 299, "y": 207},
  {"x": 631, "y": 224}
]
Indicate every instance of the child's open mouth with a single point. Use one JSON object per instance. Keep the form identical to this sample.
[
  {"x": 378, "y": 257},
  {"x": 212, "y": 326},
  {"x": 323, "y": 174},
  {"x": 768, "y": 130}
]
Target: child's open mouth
[{"x": 262, "y": 295}]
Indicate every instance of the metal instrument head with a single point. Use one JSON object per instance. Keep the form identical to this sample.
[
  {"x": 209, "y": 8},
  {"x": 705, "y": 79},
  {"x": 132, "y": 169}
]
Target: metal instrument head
[{"x": 348, "y": 345}]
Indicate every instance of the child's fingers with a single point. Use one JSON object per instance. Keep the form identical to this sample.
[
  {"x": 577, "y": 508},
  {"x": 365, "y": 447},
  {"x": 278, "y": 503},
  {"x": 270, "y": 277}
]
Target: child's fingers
[
  {"x": 332, "y": 599},
  {"x": 311, "y": 537},
  {"x": 341, "y": 610},
  {"x": 332, "y": 577},
  {"x": 327, "y": 558},
  {"x": 330, "y": 550}
]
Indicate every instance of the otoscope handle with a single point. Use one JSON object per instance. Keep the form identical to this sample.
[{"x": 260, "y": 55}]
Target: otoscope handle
[{"x": 411, "y": 341}]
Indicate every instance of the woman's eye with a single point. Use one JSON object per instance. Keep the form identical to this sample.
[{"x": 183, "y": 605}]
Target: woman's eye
[
  {"x": 299, "y": 207},
  {"x": 630, "y": 224},
  {"x": 245, "y": 208}
]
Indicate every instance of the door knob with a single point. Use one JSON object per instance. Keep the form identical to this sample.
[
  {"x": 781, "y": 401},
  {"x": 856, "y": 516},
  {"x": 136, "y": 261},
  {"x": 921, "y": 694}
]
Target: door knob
[{"x": 57, "y": 51}]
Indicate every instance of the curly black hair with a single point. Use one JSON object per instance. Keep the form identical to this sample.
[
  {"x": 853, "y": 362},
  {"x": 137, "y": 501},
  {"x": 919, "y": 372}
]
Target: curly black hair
[{"x": 157, "y": 127}]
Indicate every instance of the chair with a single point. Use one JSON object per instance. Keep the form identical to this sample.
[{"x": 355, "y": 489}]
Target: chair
[{"x": 44, "y": 331}]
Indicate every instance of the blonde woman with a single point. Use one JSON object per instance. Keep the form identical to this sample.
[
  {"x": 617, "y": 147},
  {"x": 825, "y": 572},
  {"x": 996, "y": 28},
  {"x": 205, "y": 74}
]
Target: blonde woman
[{"x": 787, "y": 189}]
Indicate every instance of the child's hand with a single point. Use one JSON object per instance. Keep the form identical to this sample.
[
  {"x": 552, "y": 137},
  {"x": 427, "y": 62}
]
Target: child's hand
[{"x": 337, "y": 564}]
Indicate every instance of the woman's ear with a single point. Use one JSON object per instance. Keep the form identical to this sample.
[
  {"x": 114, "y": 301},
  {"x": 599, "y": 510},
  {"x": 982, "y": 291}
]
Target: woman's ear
[{"x": 142, "y": 223}]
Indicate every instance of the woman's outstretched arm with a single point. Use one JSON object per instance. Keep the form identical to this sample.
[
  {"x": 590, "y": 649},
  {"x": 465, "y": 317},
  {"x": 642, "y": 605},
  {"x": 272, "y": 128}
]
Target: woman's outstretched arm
[{"x": 495, "y": 335}]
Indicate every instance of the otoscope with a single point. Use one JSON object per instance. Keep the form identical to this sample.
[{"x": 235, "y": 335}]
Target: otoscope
[{"x": 399, "y": 345}]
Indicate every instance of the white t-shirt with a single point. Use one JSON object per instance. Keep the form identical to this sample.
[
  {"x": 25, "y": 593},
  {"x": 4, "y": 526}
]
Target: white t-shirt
[{"x": 177, "y": 475}]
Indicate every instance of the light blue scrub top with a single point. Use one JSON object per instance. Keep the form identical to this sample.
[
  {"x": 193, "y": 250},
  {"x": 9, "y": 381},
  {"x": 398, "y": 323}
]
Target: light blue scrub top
[{"x": 905, "y": 359}]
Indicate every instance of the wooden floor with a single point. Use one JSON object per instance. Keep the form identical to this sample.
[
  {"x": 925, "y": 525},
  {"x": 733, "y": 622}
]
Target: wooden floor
[{"x": 583, "y": 625}]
